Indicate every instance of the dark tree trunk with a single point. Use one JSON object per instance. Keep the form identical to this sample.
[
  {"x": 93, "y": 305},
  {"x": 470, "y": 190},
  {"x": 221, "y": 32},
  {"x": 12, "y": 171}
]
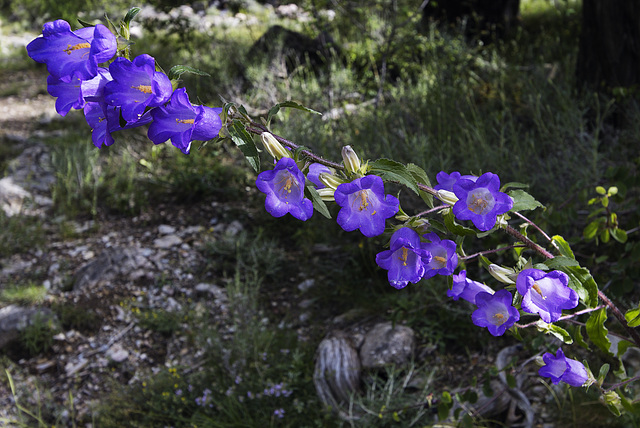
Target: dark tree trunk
[{"x": 609, "y": 53}]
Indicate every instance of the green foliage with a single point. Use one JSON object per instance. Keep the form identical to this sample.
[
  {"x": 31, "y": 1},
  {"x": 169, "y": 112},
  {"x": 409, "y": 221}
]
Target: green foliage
[
  {"x": 19, "y": 234},
  {"x": 160, "y": 320},
  {"x": 28, "y": 294},
  {"x": 37, "y": 337}
]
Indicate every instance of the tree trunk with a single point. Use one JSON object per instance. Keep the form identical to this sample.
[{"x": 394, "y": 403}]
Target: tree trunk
[{"x": 609, "y": 54}]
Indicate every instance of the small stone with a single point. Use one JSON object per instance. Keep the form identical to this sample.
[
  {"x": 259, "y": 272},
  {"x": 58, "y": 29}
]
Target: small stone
[
  {"x": 117, "y": 353},
  {"x": 385, "y": 344},
  {"x": 167, "y": 241},
  {"x": 306, "y": 285},
  {"x": 165, "y": 229}
]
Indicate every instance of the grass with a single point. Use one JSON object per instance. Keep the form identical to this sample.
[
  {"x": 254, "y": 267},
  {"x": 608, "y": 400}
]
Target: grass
[{"x": 29, "y": 294}]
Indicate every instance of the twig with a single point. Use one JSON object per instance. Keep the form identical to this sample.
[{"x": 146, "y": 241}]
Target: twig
[
  {"x": 564, "y": 318},
  {"x": 618, "y": 385},
  {"x": 492, "y": 251},
  {"x": 432, "y": 210}
]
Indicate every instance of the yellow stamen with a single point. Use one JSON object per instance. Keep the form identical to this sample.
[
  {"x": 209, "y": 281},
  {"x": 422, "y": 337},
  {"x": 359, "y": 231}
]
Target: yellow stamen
[
  {"x": 441, "y": 260},
  {"x": 289, "y": 181},
  {"x": 190, "y": 121},
  {"x": 405, "y": 253},
  {"x": 478, "y": 205},
  {"x": 538, "y": 290},
  {"x": 79, "y": 46},
  {"x": 143, "y": 88},
  {"x": 364, "y": 201},
  {"x": 500, "y": 319}
]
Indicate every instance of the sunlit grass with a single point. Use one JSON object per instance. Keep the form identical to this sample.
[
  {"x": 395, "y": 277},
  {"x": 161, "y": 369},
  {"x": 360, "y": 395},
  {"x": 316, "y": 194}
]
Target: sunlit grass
[{"x": 29, "y": 294}]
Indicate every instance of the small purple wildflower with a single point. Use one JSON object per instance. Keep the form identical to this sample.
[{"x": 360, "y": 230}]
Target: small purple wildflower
[
  {"x": 444, "y": 259},
  {"x": 315, "y": 169},
  {"x": 178, "y": 392},
  {"x": 238, "y": 380},
  {"x": 250, "y": 395},
  {"x": 560, "y": 368},
  {"x": 546, "y": 294},
  {"x": 446, "y": 181},
  {"x": 279, "y": 413},
  {"x": 466, "y": 288},
  {"x": 495, "y": 312},
  {"x": 284, "y": 187},
  {"x": 406, "y": 260},
  {"x": 72, "y": 54},
  {"x": 481, "y": 201},
  {"x": 136, "y": 85},
  {"x": 182, "y": 122},
  {"x": 365, "y": 206}
]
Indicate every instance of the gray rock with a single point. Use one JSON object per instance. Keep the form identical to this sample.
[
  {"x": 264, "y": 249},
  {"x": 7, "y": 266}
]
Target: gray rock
[
  {"x": 129, "y": 262},
  {"x": 167, "y": 241},
  {"x": 306, "y": 285},
  {"x": 12, "y": 197},
  {"x": 117, "y": 353},
  {"x": 165, "y": 229},
  {"x": 385, "y": 344},
  {"x": 337, "y": 370},
  {"x": 14, "y": 319}
]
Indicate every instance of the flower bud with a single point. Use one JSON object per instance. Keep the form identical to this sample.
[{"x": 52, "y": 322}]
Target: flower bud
[
  {"x": 504, "y": 275},
  {"x": 329, "y": 180},
  {"x": 447, "y": 197},
  {"x": 274, "y": 147},
  {"x": 351, "y": 160},
  {"x": 326, "y": 194}
]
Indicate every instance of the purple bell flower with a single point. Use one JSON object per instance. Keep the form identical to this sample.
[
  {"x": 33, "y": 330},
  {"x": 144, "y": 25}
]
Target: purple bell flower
[
  {"x": 495, "y": 312},
  {"x": 104, "y": 119},
  {"x": 70, "y": 55},
  {"x": 481, "y": 201},
  {"x": 467, "y": 289},
  {"x": 560, "y": 368},
  {"x": 446, "y": 181},
  {"x": 365, "y": 206},
  {"x": 546, "y": 294},
  {"x": 183, "y": 122},
  {"x": 315, "y": 169},
  {"x": 406, "y": 260},
  {"x": 136, "y": 85},
  {"x": 76, "y": 92},
  {"x": 444, "y": 258},
  {"x": 284, "y": 187}
]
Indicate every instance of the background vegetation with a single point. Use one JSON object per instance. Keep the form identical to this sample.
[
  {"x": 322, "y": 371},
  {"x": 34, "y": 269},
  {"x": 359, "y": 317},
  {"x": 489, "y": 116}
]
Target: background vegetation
[{"x": 446, "y": 102}]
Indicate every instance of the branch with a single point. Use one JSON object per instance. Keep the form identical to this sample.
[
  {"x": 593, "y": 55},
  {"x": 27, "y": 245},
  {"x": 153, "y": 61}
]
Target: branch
[
  {"x": 566, "y": 317},
  {"x": 481, "y": 253}
]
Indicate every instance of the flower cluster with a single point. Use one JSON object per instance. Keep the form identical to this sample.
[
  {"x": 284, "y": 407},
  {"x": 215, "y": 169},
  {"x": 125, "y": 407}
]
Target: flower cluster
[
  {"x": 560, "y": 368},
  {"x": 124, "y": 95}
]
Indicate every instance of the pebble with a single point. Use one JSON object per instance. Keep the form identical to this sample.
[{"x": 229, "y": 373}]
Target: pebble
[{"x": 167, "y": 241}]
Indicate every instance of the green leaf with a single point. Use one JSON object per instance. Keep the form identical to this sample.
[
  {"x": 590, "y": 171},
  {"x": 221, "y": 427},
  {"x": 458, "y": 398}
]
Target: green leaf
[
  {"x": 623, "y": 345},
  {"x": 600, "y": 190},
  {"x": 178, "y": 70},
  {"x": 455, "y": 228},
  {"x": 85, "y": 24},
  {"x": 604, "y": 370},
  {"x": 577, "y": 337},
  {"x": 391, "y": 170},
  {"x": 318, "y": 203},
  {"x": 130, "y": 15},
  {"x": 245, "y": 143},
  {"x": 563, "y": 246},
  {"x": 619, "y": 235},
  {"x": 633, "y": 317},
  {"x": 591, "y": 230},
  {"x": 596, "y": 330},
  {"x": 554, "y": 330},
  {"x": 288, "y": 104},
  {"x": 421, "y": 177},
  {"x": 560, "y": 261},
  {"x": 523, "y": 201},
  {"x": 582, "y": 282},
  {"x": 513, "y": 185}
]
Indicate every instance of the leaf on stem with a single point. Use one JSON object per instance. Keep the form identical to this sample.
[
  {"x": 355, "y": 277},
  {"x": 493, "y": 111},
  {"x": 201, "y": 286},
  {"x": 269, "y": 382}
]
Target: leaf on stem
[
  {"x": 390, "y": 170},
  {"x": 523, "y": 201},
  {"x": 245, "y": 143},
  {"x": 596, "y": 330},
  {"x": 318, "y": 203}
]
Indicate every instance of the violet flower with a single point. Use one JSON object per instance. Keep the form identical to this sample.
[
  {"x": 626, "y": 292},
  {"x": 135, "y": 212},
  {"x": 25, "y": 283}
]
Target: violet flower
[
  {"x": 183, "y": 122},
  {"x": 365, "y": 206},
  {"x": 76, "y": 92},
  {"x": 406, "y": 260},
  {"x": 315, "y": 169},
  {"x": 70, "y": 55},
  {"x": 546, "y": 294},
  {"x": 481, "y": 201},
  {"x": 446, "y": 181},
  {"x": 136, "y": 85},
  {"x": 104, "y": 120},
  {"x": 466, "y": 288},
  {"x": 495, "y": 312},
  {"x": 444, "y": 258},
  {"x": 560, "y": 368},
  {"x": 284, "y": 187}
]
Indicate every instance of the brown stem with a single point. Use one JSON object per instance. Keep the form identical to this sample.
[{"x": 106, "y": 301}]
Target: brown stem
[
  {"x": 566, "y": 317},
  {"x": 481, "y": 253},
  {"x": 618, "y": 385},
  {"x": 528, "y": 242},
  {"x": 620, "y": 316}
]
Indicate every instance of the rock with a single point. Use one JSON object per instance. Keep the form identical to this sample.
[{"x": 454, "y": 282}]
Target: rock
[
  {"x": 117, "y": 353},
  {"x": 14, "y": 319},
  {"x": 214, "y": 290},
  {"x": 129, "y": 262},
  {"x": 385, "y": 344},
  {"x": 165, "y": 229},
  {"x": 167, "y": 241},
  {"x": 306, "y": 285},
  {"x": 12, "y": 197},
  {"x": 337, "y": 370}
]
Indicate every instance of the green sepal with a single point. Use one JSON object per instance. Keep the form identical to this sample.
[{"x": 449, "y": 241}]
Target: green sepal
[
  {"x": 455, "y": 228},
  {"x": 523, "y": 201},
  {"x": 130, "y": 15},
  {"x": 178, "y": 70},
  {"x": 554, "y": 330},
  {"x": 563, "y": 246},
  {"x": 245, "y": 143},
  {"x": 596, "y": 330},
  {"x": 318, "y": 203},
  {"x": 391, "y": 170},
  {"x": 613, "y": 402},
  {"x": 604, "y": 371},
  {"x": 84, "y": 23}
]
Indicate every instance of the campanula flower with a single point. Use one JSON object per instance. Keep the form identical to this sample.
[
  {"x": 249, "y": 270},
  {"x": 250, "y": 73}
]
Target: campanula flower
[
  {"x": 72, "y": 54},
  {"x": 406, "y": 260},
  {"x": 446, "y": 181},
  {"x": 467, "y": 289},
  {"x": 546, "y": 294},
  {"x": 136, "y": 85},
  {"x": 183, "y": 122},
  {"x": 481, "y": 201},
  {"x": 274, "y": 147},
  {"x": 444, "y": 258},
  {"x": 365, "y": 206},
  {"x": 560, "y": 368},
  {"x": 104, "y": 119},
  {"x": 351, "y": 160},
  {"x": 315, "y": 169},
  {"x": 495, "y": 312},
  {"x": 284, "y": 187},
  {"x": 76, "y": 92}
]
